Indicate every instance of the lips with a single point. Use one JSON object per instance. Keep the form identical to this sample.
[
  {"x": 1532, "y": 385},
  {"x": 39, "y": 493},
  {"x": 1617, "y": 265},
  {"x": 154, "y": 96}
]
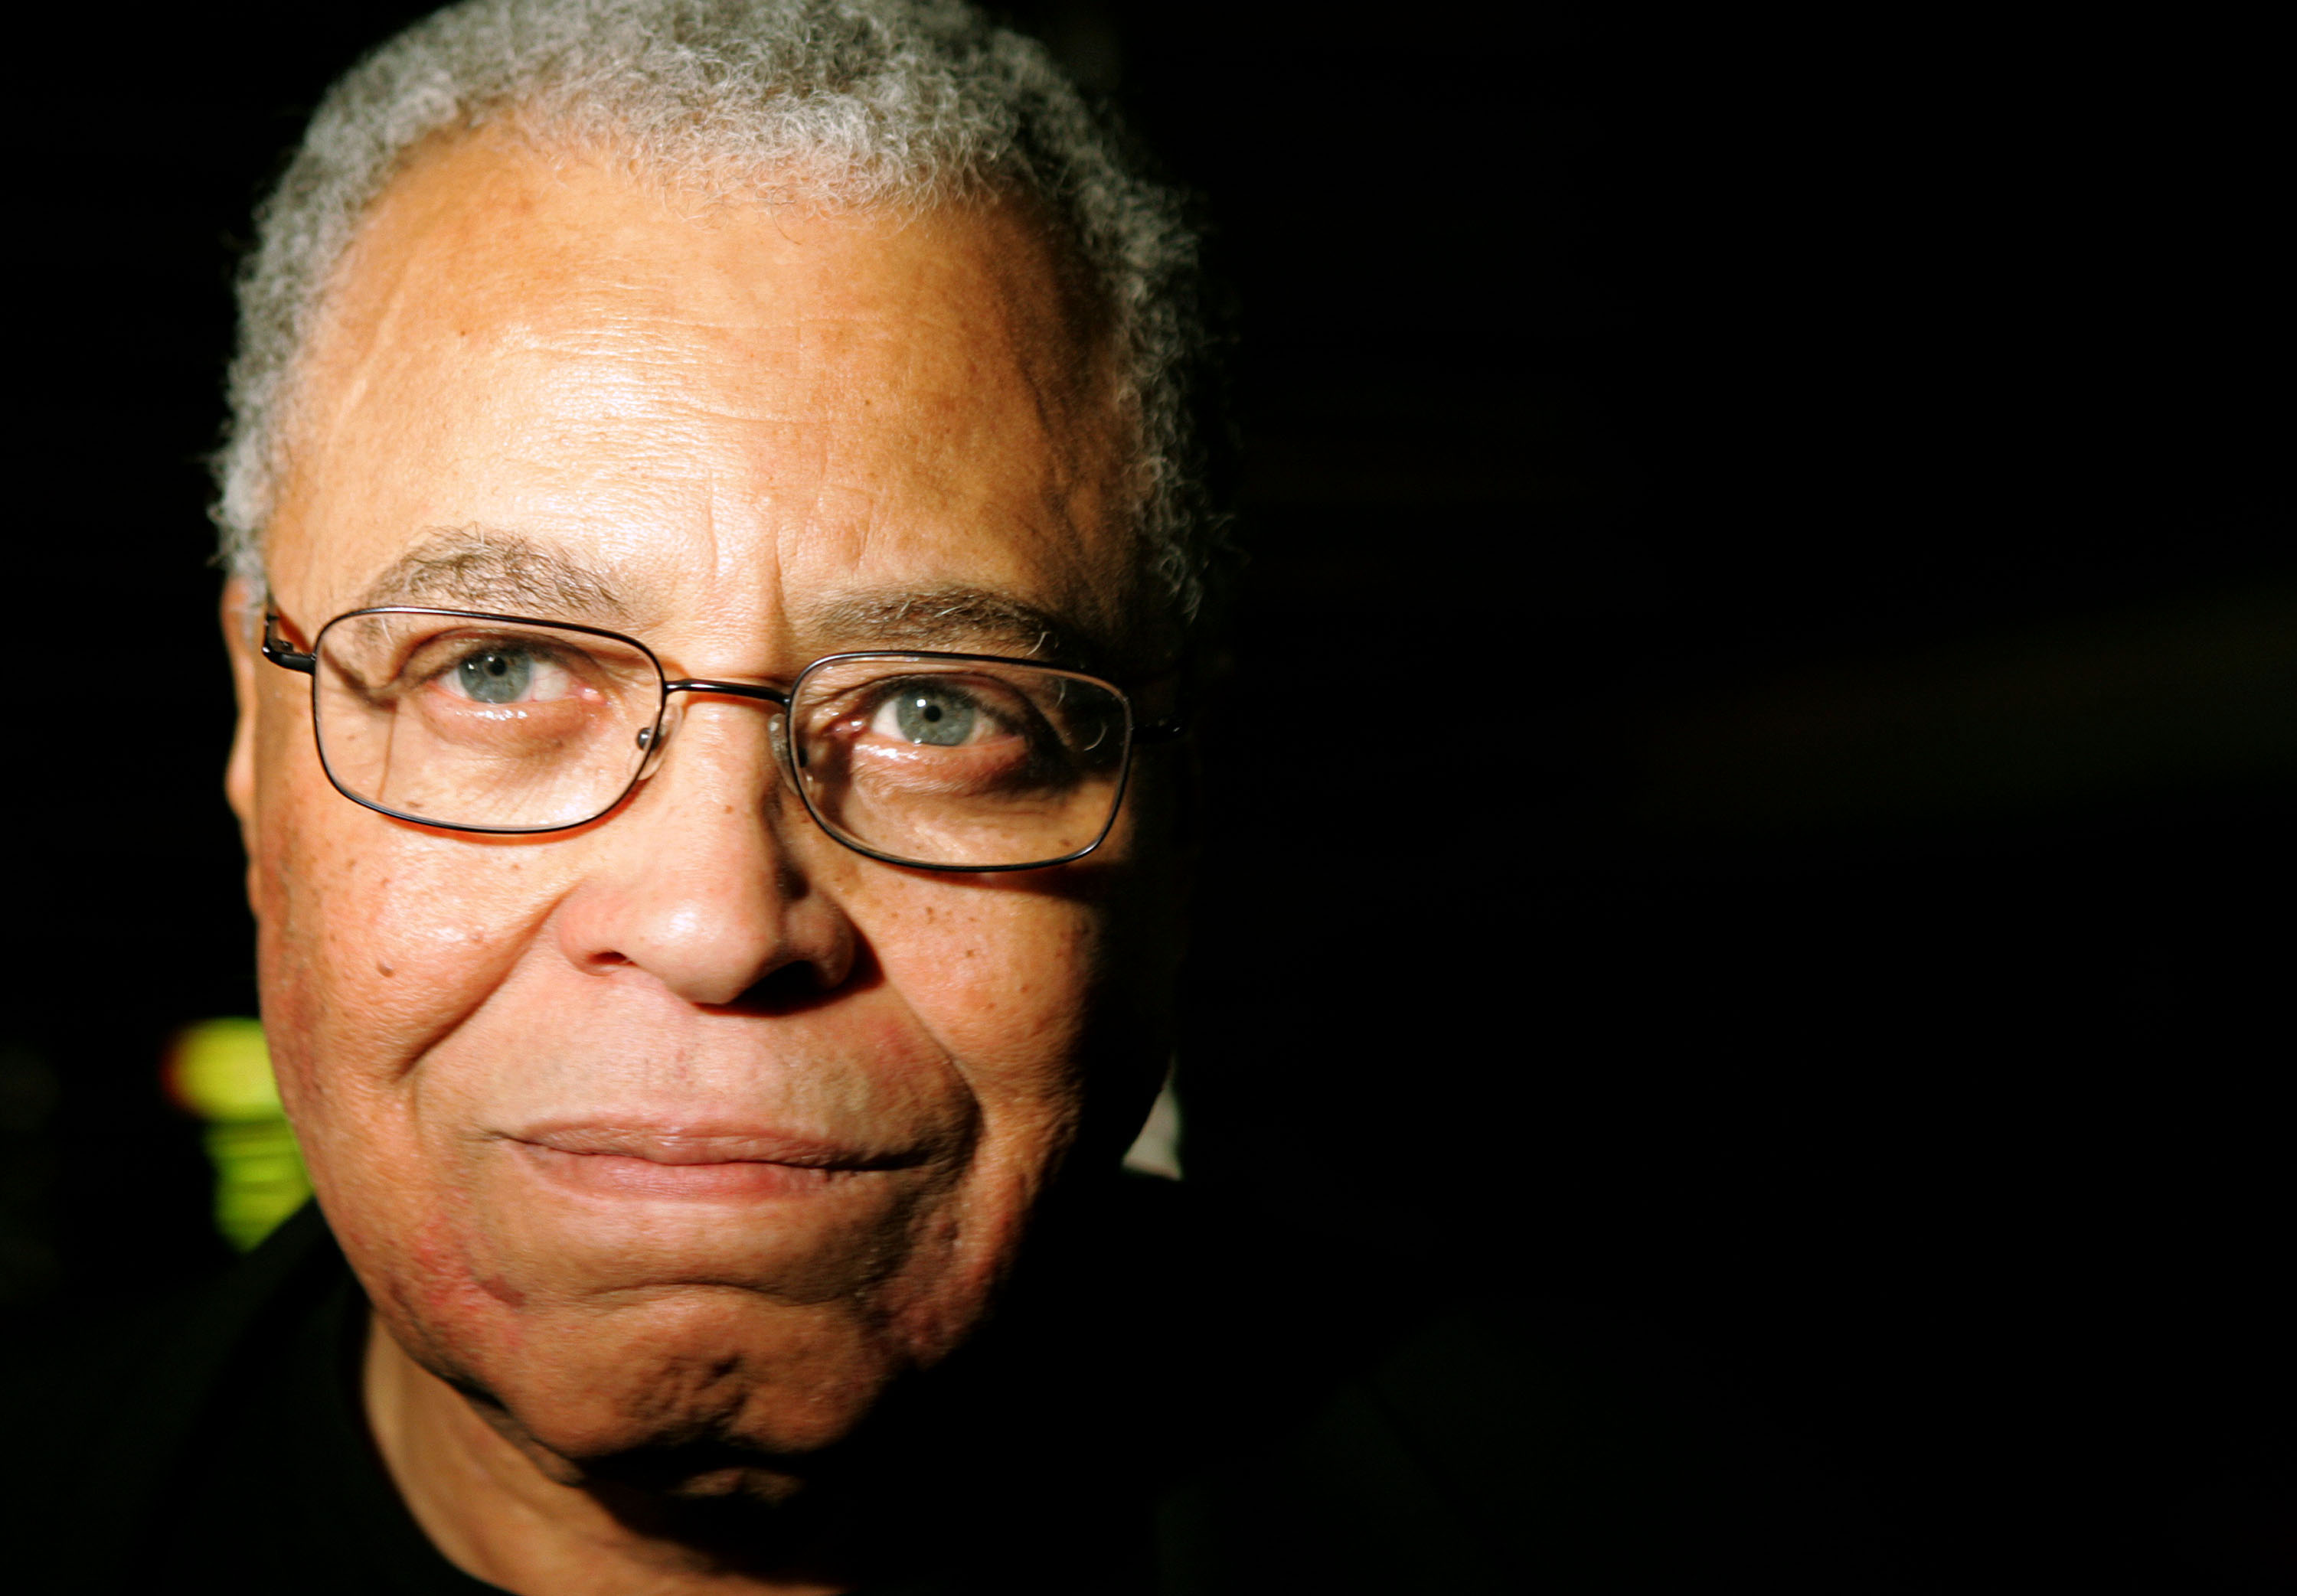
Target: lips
[{"x": 695, "y": 1162}]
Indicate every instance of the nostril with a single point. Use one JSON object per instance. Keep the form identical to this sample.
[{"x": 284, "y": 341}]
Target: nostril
[{"x": 788, "y": 989}]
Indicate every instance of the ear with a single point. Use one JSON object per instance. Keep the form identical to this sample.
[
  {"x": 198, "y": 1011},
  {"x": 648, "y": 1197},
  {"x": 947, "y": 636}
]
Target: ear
[{"x": 242, "y": 624}]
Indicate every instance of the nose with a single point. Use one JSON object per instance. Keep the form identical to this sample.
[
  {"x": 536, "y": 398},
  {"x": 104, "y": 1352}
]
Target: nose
[{"x": 692, "y": 883}]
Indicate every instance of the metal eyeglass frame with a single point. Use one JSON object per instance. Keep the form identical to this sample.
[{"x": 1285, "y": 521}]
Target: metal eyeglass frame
[{"x": 276, "y": 650}]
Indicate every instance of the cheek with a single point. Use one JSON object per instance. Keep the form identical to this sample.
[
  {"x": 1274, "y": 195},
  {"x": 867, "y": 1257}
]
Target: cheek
[
  {"x": 1004, "y": 980},
  {"x": 1006, "y": 975},
  {"x": 375, "y": 942}
]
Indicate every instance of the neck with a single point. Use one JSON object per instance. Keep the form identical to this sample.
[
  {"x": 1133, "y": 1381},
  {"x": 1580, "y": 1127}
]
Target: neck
[{"x": 1026, "y": 1448}]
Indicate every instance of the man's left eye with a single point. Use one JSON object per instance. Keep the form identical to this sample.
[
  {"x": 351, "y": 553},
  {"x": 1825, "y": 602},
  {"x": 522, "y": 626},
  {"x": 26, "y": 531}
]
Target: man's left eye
[{"x": 938, "y": 717}]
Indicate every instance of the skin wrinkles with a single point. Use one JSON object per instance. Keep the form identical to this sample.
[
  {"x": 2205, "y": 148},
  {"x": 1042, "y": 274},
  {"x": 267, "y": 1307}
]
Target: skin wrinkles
[{"x": 751, "y": 433}]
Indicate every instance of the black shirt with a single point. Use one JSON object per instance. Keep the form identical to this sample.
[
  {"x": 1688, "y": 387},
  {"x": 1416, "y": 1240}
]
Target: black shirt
[{"x": 1164, "y": 1414}]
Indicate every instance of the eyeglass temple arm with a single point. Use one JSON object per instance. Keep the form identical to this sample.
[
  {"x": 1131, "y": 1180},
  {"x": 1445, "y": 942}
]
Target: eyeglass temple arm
[{"x": 276, "y": 649}]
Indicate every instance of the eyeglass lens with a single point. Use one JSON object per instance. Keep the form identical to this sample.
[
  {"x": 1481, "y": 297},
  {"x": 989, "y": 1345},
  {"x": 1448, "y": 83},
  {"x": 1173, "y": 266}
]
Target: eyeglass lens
[{"x": 498, "y": 726}]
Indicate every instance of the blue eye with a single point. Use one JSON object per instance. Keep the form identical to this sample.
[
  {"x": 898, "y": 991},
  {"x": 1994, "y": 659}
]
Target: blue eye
[
  {"x": 934, "y": 716},
  {"x": 497, "y": 675}
]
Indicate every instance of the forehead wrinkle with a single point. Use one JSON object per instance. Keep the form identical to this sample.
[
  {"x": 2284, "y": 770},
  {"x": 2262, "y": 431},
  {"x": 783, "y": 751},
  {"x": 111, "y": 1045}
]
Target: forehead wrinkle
[
  {"x": 745, "y": 575},
  {"x": 711, "y": 556}
]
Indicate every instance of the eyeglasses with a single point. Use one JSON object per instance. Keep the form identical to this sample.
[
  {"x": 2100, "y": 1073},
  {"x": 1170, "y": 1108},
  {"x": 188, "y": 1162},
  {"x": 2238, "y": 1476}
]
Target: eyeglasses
[{"x": 496, "y": 723}]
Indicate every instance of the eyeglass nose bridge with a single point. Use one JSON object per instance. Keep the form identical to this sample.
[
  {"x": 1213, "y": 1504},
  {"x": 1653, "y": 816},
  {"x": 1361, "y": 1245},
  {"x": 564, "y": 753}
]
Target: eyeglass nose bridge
[{"x": 655, "y": 739}]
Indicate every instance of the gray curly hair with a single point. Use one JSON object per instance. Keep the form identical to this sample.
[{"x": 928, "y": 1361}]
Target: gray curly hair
[{"x": 909, "y": 102}]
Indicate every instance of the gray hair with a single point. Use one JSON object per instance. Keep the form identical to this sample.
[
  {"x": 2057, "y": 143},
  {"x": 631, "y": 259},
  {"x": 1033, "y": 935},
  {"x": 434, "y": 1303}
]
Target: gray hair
[{"x": 909, "y": 103}]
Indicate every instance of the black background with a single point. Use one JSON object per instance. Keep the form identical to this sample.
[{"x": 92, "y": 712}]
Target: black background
[{"x": 1758, "y": 785}]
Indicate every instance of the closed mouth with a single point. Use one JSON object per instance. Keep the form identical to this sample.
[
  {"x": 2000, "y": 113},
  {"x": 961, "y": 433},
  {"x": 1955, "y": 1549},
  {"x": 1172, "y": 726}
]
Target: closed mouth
[{"x": 663, "y": 1162}]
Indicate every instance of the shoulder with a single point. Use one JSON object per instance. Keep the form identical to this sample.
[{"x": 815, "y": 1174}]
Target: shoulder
[
  {"x": 100, "y": 1406},
  {"x": 1363, "y": 1428}
]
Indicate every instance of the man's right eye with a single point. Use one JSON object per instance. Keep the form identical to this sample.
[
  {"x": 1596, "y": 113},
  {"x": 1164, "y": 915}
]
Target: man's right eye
[
  {"x": 505, "y": 672},
  {"x": 497, "y": 675}
]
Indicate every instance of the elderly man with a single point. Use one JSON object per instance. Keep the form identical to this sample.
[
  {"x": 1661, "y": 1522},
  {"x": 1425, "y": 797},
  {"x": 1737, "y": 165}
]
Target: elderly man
[{"x": 715, "y": 545}]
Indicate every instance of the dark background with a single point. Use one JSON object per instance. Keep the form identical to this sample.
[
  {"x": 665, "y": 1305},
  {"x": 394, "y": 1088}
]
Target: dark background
[{"x": 1760, "y": 787}]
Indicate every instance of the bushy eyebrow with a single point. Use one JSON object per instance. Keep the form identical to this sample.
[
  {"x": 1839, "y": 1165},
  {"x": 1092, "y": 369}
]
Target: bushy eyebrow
[
  {"x": 958, "y": 619},
  {"x": 477, "y": 568}
]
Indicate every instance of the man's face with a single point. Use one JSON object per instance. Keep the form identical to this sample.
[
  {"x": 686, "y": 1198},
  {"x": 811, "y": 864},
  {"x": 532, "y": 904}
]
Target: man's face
[{"x": 542, "y": 1082}]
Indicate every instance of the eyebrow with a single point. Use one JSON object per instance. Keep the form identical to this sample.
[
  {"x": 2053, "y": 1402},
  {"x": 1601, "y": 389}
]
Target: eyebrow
[
  {"x": 483, "y": 569},
  {"x": 475, "y": 568},
  {"x": 958, "y": 619}
]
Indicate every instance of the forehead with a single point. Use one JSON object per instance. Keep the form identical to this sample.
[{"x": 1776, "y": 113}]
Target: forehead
[{"x": 749, "y": 423}]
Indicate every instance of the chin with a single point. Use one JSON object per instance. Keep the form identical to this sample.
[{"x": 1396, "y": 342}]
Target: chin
[
  {"x": 677, "y": 1353},
  {"x": 717, "y": 1377}
]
